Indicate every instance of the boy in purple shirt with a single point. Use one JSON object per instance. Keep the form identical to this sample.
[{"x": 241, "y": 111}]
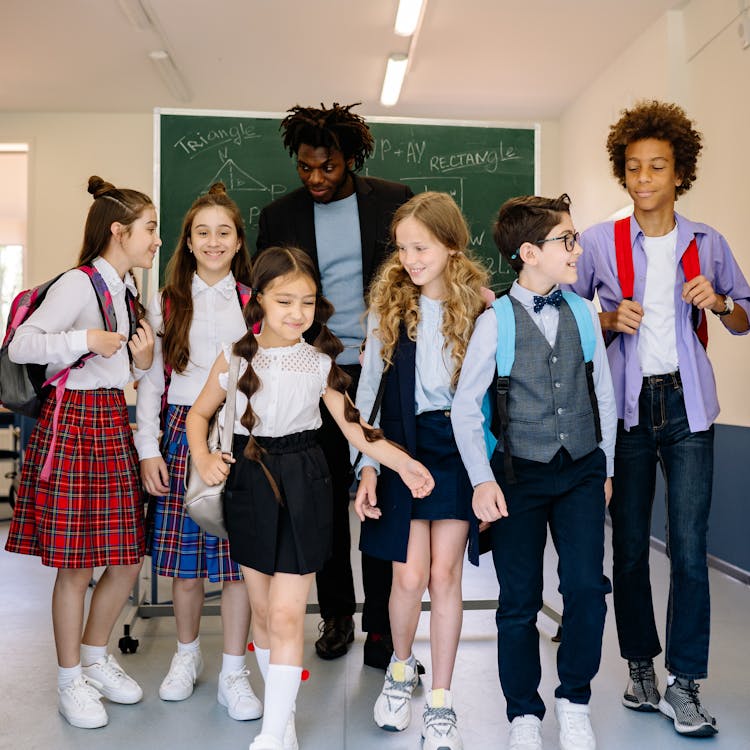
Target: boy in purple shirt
[{"x": 666, "y": 398}]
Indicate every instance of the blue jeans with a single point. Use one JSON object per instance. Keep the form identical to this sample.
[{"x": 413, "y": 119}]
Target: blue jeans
[
  {"x": 567, "y": 496},
  {"x": 686, "y": 458}
]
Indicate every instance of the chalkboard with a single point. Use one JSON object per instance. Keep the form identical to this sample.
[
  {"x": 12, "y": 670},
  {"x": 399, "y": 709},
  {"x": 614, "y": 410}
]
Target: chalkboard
[{"x": 479, "y": 164}]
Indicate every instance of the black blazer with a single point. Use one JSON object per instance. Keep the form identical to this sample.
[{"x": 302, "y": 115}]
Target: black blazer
[{"x": 289, "y": 220}]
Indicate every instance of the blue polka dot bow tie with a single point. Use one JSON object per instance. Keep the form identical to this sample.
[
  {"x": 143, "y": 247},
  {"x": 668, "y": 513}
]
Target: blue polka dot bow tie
[{"x": 553, "y": 299}]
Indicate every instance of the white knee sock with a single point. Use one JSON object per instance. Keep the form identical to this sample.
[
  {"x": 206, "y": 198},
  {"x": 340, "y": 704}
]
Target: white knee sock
[
  {"x": 66, "y": 675},
  {"x": 90, "y": 654},
  {"x": 282, "y": 684},
  {"x": 263, "y": 655}
]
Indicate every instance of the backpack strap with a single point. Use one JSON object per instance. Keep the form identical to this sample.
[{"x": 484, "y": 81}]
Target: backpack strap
[{"x": 504, "y": 358}]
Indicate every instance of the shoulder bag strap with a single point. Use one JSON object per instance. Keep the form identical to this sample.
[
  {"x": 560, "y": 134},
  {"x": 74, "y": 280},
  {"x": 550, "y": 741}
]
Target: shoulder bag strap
[{"x": 227, "y": 434}]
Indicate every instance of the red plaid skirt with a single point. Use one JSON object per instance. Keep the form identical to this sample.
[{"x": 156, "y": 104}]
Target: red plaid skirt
[{"x": 90, "y": 512}]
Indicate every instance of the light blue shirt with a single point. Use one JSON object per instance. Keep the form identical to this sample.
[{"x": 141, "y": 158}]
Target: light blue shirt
[
  {"x": 339, "y": 244},
  {"x": 479, "y": 369}
]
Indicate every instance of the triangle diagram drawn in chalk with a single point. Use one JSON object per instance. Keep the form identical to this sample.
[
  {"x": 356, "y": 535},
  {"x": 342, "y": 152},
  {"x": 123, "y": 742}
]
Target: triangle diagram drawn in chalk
[{"x": 236, "y": 178}]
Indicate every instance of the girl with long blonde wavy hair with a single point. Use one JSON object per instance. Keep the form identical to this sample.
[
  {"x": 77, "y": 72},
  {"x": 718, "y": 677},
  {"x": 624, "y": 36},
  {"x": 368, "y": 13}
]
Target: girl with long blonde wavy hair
[{"x": 423, "y": 306}]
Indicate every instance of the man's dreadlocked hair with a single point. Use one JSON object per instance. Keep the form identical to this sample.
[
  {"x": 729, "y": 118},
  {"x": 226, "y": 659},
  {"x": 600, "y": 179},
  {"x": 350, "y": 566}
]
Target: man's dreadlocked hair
[{"x": 336, "y": 128}]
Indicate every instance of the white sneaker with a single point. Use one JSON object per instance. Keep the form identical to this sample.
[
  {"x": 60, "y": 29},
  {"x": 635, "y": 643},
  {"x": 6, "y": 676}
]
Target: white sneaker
[
  {"x": 266, "y": 742},
  {"x": 575, "y": 725},
  {"x": 113, "y": 682},
  {"x": 290, "y": 735},
  {"x": 237, "y": 695},
  {"x": 525, "y": 733},
  {"x": 81, "y": 704},
  {"x": 183, "y": 672},
  {"x": 392, "y": 710},
  {"x": 439, "y": 730}
]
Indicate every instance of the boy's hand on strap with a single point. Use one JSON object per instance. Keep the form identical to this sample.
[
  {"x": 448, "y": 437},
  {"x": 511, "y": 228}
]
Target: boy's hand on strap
[
  {"x": 607, "y": 490},
  {"x": 365, "y": 501},
  {"x": 213, "y": 467},
  {"x": 700, "y": 293},
  {"x": 416, "y": 477},
  {"x": 141, "y": 346},
  {"x": 155, "y": 476},
  {"x": 488, "y": 502},
  {"x": 625, "y": 319},
  {"x": 105, "y": 343}
]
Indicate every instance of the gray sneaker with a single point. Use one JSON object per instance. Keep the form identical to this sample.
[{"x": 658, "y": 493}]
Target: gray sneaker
[
  {"x": 681, "y": 704},
  {"x": 642, "y": 692}
]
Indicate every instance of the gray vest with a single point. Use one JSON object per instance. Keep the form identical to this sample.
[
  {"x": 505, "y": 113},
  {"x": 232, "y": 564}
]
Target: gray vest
[{"x": 548, "y": 401}]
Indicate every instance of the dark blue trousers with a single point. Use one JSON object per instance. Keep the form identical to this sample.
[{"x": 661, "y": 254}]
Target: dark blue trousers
[{"x": 568, "y": 497}]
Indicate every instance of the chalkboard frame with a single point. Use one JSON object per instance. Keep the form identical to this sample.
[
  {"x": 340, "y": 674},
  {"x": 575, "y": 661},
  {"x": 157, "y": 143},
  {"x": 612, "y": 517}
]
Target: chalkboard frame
[{"x": 151, "y": 280}]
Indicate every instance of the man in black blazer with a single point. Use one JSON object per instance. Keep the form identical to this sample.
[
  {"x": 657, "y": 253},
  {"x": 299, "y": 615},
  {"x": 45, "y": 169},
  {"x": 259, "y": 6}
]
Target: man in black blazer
[{"x": 343, "y": 222}]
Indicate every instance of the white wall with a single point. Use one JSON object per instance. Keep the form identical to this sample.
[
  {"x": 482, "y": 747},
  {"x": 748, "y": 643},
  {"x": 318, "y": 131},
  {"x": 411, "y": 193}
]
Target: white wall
[{"x": 693, "y": 57}]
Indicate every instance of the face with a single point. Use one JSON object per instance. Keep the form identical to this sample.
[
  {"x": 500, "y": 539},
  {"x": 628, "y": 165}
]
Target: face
[
  {"x": 423, "y": 256},
  {"x": 140, "y": 240},
  {"x": 650, "y": 176},
  {"x": 324, "y": 173},
  {"x": 551, "y": 263},
  {"x": 214, "y": 242},
  {"x": 288, "y": 305}
]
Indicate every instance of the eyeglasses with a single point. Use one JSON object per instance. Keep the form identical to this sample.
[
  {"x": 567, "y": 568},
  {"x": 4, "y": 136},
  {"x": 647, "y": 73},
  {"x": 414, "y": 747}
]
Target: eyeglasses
[{"x": 570, "y": 240}]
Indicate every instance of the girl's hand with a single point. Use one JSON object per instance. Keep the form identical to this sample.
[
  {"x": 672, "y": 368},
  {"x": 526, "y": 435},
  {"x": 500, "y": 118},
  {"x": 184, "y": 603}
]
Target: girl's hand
[
  {"x": 213, "y": 467},
  {"x": 607, "y": 490},
  {"x": 488, "y": 502},
  {"x": 104, "y": 342},
  {"x": 416, "y": 477},
  {"x": 366, "y": 500},
  {"x": 141, "y": 345},
  {"x": 154, "y": 476}
]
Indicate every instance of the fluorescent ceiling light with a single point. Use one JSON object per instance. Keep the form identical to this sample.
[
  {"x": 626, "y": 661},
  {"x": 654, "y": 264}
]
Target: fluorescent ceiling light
[
  {"x": 170, "y": 74},
  {"x": 395, "y": 71},
  {"x": 407, "y": 17},
  {"x": 14, "y": 148}
]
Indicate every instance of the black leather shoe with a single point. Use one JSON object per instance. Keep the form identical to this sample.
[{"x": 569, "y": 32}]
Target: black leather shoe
[
  {"x": 336, "y": 633},
  {"x": 378, "y": 652}
]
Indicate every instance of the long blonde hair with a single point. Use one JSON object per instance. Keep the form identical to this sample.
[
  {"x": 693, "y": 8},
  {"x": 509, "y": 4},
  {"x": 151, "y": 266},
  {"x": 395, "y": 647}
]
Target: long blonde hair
[{"x": 395, "y": 297}]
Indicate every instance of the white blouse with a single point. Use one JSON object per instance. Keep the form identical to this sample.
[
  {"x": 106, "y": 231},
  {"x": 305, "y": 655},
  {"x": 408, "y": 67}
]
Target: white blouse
[
  {"x": 217, "y": 320},
  {"x": 55, "y": 333},
  {"x": 293, "y": 380}
]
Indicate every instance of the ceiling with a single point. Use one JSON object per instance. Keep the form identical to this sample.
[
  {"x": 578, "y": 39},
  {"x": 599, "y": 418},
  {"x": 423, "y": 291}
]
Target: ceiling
[{"x": 473, "y": 59}]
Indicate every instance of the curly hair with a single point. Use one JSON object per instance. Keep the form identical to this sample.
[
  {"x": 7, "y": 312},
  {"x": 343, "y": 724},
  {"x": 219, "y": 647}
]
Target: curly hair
[
  {"x": 272, "y": 264},
  {"x": 394, "y": 297},
  {"x": 336, "y": 128},
  {"x": 178, "y": 290},
  {"x": 664, "y": 122}
]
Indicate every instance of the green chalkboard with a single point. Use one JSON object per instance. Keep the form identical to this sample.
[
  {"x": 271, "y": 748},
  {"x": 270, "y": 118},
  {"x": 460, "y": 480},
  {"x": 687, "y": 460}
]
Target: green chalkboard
[{"x": 479, "y": 164}]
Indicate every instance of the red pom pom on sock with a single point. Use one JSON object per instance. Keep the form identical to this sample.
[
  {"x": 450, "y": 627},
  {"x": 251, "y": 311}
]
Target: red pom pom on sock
[
  {"x": 305, "y": 675},
  {"x": 251, "y": 646}
]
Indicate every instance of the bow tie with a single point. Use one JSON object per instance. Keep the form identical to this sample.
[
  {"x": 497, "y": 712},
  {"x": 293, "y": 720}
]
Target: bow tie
[{"x": 553, "y": 299}]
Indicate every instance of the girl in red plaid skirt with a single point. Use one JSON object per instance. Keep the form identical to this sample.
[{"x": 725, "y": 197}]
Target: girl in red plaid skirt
[
  {"x": 199, "y": 308},
  {"x": 89, "y": 510},
  {"x": 278, "y": 501}
]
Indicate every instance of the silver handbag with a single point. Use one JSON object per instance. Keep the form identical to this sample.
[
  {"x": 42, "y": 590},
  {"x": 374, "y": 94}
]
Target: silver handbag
[{"x": 205, "y": 503}]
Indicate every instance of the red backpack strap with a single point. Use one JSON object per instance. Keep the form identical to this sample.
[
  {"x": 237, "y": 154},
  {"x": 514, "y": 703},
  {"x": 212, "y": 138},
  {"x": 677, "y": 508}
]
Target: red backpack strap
[
  {"x": 244, "y": 293},
  {"x": 691, "y": 267},
  {"x": 624, "y": 256}
]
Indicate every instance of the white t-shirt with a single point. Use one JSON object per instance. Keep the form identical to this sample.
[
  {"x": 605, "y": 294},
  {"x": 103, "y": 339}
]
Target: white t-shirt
[{"x": 657, "y": 337}]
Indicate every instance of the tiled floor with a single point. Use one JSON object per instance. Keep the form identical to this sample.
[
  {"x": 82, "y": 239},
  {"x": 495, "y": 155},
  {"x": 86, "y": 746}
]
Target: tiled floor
[{"x": 335, "y": 705}]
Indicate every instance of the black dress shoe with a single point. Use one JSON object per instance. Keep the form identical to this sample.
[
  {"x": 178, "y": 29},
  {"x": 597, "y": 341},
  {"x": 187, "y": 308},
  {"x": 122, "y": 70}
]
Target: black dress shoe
[
  {"x": 336, "y": 633},
  {"x": 378, "y": 652}
]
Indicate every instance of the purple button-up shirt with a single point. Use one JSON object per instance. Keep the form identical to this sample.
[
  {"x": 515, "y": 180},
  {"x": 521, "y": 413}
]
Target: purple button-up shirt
[{"x": 597, "y": 272}]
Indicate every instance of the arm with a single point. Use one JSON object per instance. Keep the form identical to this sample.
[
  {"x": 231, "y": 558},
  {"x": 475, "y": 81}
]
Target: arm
[
  {"x": 213, "y": 467},
  {"x": 414, "y": 475}
]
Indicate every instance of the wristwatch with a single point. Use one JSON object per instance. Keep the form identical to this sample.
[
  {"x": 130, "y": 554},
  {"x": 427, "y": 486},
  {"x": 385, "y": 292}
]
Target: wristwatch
[{"x": 728, "y": 307}]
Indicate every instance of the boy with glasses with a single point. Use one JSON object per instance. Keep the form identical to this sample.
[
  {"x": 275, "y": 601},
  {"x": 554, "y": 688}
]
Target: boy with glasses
[{"x": 551, "y": 468}]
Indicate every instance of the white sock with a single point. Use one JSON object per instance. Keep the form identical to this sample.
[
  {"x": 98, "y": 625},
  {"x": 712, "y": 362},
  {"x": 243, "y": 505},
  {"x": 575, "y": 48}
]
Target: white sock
[
  {"x": 411, "y": 661},
  {"x": 92, "y": 654},
  {"x": 670, "y": 679},
  {"x": 191, "y": 647},
  {"x": 66, "y": 675},
  {"x": 263, "y": 655},
  {"x": 282, "y": 685},
  {"x": 231, "y": 663}
]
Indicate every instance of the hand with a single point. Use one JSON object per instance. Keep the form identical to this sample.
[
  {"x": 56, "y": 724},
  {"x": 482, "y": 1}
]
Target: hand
[
  {"x": 365, "y": 501},
  {"x": 213, "y": 467},
  {"x": 141, "y": 345},
  {"x": 488, "y": 502},
  {"x": 103, "y": 342},
  {"x": 699, "y": 292},
  {"x": 416, "y": 477},
  {"x": 607, "y": 490},
  {"x": 625, "y": 319},
  {"x": 154, "y": 476}
]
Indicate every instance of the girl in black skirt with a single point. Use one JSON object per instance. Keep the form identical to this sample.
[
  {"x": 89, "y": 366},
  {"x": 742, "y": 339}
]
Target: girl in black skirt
[
  {"x": 278, "y": 499},
  {"x": 422, "y": 311}
]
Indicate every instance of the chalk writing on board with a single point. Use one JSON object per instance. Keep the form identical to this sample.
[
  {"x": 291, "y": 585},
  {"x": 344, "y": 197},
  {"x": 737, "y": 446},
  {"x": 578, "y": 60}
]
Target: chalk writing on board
[
  {"x": 454, "y": 186},
  {"x": 198, "y": 141},
  {"x": 487, "y": 160}
]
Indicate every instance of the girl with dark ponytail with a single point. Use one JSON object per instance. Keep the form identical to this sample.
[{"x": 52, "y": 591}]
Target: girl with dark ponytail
[{"x": 278, "y": 502}]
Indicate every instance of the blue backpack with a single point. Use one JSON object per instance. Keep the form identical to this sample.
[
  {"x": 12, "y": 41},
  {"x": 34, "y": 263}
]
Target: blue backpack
[{"x": 504, "y": 358}]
